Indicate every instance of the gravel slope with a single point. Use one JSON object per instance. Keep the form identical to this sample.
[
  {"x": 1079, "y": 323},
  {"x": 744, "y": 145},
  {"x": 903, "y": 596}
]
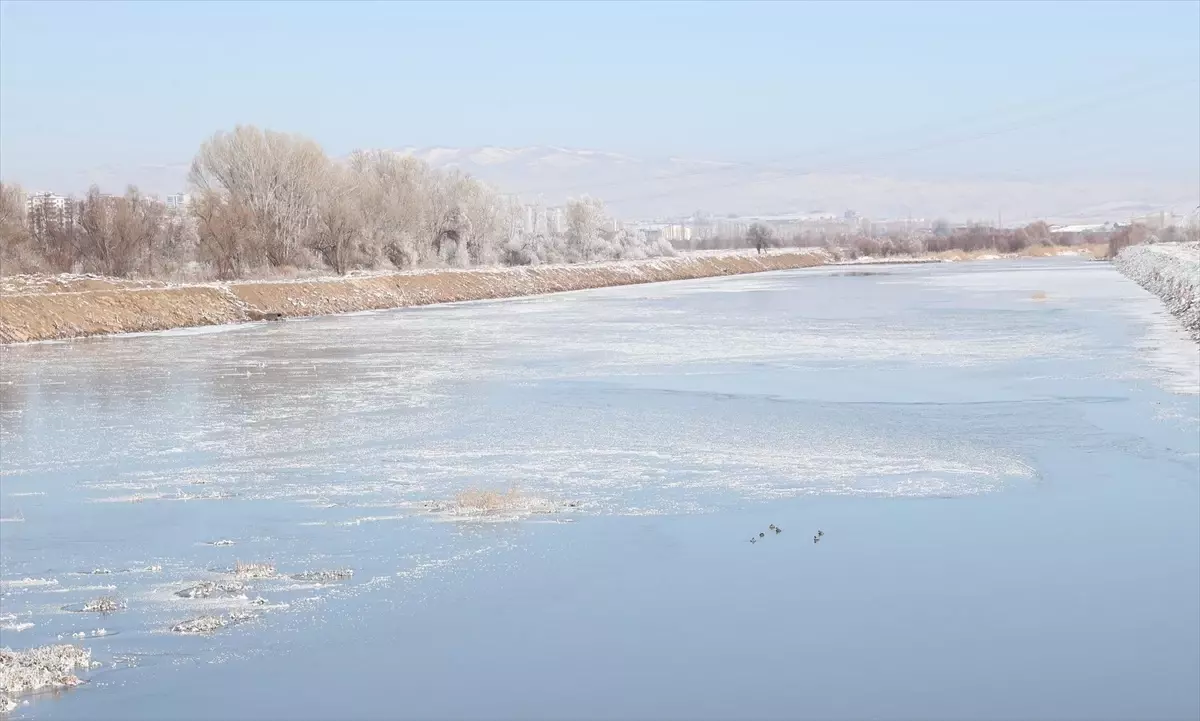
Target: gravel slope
[{"x": 1172, "y": 272}]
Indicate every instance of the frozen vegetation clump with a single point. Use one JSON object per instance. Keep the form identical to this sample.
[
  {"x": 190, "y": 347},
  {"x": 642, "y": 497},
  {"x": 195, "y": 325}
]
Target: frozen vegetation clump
[
  {"x": 324, "y": 576},
  {"x": 481, "y": 504},
  {"x": 25, "y": 672},
  {"x": 203, "y": 624},
  {"x": 1170, "y": 271},
  {"x": 208, "y": 589},
  {"x": 253, "y": 570},
  {"x": 104, "y": 604},
  {"x": 211, "y": 624}
]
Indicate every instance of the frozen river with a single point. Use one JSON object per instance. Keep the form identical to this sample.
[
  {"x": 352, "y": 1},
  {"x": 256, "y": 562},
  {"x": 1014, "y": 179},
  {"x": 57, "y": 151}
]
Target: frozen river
[{"x": 1004, "y": 458}]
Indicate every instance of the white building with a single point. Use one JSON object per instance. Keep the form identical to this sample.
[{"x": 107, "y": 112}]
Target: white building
[
  {"x": 677, "y": 233},
  {"x": 177, "y": 201},
  {"x": 731, "y": 228},
  {"x": 47, "y": 203},
  {"x": 46, "y": 208},
  {"x": 556, "y": 221},
  {"x": 535, "y": 220}
]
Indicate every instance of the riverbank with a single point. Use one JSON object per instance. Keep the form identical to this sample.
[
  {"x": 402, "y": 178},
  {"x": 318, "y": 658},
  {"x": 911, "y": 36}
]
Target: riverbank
[
  {"x": 1170, "y": 271},
  {"x": 35, "y": 308},
  {"x": 32, "y": 310}
]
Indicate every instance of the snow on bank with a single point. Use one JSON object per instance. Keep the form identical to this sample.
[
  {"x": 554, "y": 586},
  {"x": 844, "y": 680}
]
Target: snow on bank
[
  {"x": 34, "y": 316},
  {"x": 1170, "y": 271}
]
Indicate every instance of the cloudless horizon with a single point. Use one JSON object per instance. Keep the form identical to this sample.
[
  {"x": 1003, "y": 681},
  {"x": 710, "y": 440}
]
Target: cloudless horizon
[{"x": 1015, "y": 91}]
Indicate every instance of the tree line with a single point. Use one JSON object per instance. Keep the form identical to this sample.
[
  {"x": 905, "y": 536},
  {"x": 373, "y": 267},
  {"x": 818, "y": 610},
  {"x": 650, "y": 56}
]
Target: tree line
[
  {"x": 942, "y": 237},
  {"x": 265, "y": 203}
]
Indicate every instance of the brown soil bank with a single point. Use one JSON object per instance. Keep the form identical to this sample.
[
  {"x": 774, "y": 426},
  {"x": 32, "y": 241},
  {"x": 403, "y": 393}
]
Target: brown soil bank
[{"x": 46, "y": 314}]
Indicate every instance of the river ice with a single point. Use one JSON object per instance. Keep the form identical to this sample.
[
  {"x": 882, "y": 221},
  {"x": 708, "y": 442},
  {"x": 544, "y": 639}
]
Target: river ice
[{"x": 539, "y": 508}]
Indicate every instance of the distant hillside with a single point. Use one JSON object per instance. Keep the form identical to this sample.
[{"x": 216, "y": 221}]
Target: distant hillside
[
  {"x": 640, "y": 187},
  {"x": 646, "y": 188}
]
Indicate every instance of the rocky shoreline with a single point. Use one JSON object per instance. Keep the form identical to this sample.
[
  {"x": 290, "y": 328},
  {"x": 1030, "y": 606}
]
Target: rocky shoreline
[{"x": 1170, "y": 271}]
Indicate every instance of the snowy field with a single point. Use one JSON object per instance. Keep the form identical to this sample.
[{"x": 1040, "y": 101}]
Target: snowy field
[{"x": 549, "y": 501}]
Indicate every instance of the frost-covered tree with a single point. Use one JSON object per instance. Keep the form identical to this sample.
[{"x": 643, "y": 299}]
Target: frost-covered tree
[
  {"x": 585, "y": 218},
  {"x": 274, "y": 176},
  {"x": 393, "y": 204},
  {"x": 262, "y": 199},
  {"x": 336, "y": 232}
]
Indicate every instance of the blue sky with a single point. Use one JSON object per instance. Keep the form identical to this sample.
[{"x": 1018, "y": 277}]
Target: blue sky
[{"x": 1014, "y": 90}]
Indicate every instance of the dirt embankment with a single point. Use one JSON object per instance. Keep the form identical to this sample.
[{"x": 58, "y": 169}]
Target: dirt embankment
[{"x": 32, "y": 310}]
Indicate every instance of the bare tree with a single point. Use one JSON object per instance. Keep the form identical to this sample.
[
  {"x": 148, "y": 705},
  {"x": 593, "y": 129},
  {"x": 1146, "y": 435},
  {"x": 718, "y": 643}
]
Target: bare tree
[
  {"x": 393, "y": 201},
  {"x": 440, "y": 219},
  {"x": 585, "y": 218},
  {"x": 261, "y": 198},
  {"x": 1038, "y": 233},
  {"x": 759, "y": 236},
  {"x": 274, "y": 176},
  {"x": 482, "y": 210},
  {"x": 223, "y": 227},
  {"x": 178, "y": 242},
  {"x": 118, "y": 232},
  {"x": 16, "y": 251},
  {"x": 338, "y": 225},
  {"x": 1134, "y": 234}
]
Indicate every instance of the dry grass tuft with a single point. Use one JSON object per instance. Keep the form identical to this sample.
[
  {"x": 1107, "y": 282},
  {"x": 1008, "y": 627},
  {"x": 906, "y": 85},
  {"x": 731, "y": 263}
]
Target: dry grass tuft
[
  {"x": 339, "y": 574},
  {"x": 253, "y": 570},
  {"x": 481, "y": 502},
  {"x": 489, "y": 504}
]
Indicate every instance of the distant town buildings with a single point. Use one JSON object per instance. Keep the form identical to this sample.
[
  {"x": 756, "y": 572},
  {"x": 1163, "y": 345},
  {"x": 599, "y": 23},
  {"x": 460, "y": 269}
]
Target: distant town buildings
[
  {"x": 177, "y": 201},
  {"x": 44, "y": 210},
  {"x": 677, "y": 233},
  {"x": 704, "y": 230},
  {"x": 540, "y": 220},
  {"x": 731, "y": 228},
  {"x": 1161, "y": 219},
  {"x": 46, "y": 203}
]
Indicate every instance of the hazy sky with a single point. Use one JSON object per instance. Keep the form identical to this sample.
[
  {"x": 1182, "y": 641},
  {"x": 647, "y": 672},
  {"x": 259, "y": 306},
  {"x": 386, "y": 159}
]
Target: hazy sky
[{"x": 1014, "y": 90}]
